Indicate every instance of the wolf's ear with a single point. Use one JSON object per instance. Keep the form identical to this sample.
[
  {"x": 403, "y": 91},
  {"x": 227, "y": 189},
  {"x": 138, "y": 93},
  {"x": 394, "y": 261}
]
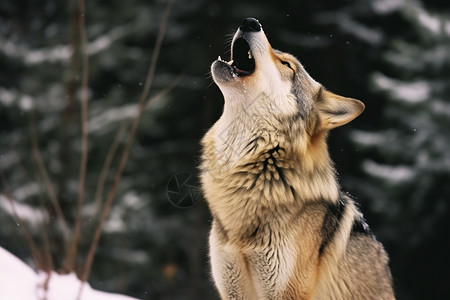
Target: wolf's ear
[{"x": 335, "y": 110}]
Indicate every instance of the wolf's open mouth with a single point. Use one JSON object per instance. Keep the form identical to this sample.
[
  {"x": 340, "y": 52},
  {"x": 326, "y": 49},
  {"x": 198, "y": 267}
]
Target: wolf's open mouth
[
  {"x": 242, "y": 62},
  {"x": 242, "y": 58}
]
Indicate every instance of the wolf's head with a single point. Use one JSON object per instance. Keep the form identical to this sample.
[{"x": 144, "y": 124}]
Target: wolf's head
[{"x": 271, "y": 99}]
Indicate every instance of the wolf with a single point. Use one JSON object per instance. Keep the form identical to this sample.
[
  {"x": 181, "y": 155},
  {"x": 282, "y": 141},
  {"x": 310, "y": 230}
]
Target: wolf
[{"x": 282, "y": 228}]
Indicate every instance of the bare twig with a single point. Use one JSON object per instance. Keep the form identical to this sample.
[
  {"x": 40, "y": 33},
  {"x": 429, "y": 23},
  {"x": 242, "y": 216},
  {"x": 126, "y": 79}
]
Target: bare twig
[
  {"x": 72, "y": 250},
  {"x": 106, "y": 167},
  {"x": 113, "y": 149},
  {"x": 47, "y": 263},
  {"x": 67, "y": 115},
  {"x": 48, "y": 183},
  {"x": 38, "y": 261},
  {"x": 125, "y": 154},
  {"x": 50, "y": 264},
  {"x": 163, "y": 92}
]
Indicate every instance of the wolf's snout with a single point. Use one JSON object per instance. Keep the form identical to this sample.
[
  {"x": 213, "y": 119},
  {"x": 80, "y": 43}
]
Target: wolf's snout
[
  {"x": 249, "y": 25},
  {"x": 242, "y": 62}
]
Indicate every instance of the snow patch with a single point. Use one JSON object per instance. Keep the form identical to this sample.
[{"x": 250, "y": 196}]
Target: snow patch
[
  {"x": 26, "y": 103},
  {"x": 115, "y": 222},
  {"x": 345, "y": 23},
  {"x": 394, "y": 174},
  {"x": 9, "y": 159},
  {"x": 105, "y": 118},
  {"x": 61, "y": 53},
  {"x": 412, "y": 58},
  {"x": 19, "y": 282},
  {"x": 33, "y": 216},
  {"x": 441, "y": 107},
  {"x": 27, "y": 190},
  {"x": 447, "y": 28},
  {"x": 387, "y": 6},
  {"x": 367, "y": 138},
  {"x": 132, "y": 201},
  {"x": 16, "y": 278},
  {"x": 67, "y": 287},
  {"x": 410, "y": 92},
  {"x": 7, "y": 97},
  {"x": 431, "y": 23}
]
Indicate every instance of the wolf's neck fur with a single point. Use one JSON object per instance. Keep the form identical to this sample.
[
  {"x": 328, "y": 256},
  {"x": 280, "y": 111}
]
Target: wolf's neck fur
[
  {"x": 254, "y": 159},
  {"x": 251, "y": 170}
]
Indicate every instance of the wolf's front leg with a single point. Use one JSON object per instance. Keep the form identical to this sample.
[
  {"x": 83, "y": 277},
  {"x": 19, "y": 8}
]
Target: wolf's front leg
[{"x": 229, "y": 269}]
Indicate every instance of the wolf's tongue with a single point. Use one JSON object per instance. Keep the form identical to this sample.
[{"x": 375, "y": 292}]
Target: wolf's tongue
[{"x": 239, "y": 71}]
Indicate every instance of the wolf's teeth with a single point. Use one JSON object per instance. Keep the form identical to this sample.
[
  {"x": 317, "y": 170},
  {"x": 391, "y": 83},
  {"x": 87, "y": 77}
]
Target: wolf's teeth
[
  {"x": 249, "y": 55},
  {"x": 219, "y": 58},
  {"x": 230, "y": 62}
]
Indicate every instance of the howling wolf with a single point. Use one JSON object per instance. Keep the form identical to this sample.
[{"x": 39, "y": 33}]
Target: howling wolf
[{"x": 282, "y": 228}]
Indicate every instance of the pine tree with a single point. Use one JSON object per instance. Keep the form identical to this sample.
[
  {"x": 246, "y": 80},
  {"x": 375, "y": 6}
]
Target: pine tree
[{"x": 410, "y": 160}]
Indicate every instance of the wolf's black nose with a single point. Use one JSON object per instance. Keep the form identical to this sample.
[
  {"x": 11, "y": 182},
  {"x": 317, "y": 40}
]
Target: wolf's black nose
[{"x": 250, "y": 24}]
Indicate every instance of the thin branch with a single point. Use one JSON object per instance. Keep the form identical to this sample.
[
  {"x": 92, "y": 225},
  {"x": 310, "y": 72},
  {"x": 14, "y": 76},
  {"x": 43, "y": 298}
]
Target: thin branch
[
  {"x": 48, "y": 183},
  {"x": 47, "y": 260},
  {"x": 125, "y": 154},
  {"x": 107, "y": 166},
  {"x": 115, "y": 145},
  {"x": 67, "y": 115},
  {"x": 38, "y": 261},
  {"x": 72, "y": 250},
  {"x": 164, "y": 91}
]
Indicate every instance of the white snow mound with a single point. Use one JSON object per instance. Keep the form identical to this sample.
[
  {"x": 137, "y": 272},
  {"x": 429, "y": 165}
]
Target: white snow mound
[{"x": 18, "y": 281}]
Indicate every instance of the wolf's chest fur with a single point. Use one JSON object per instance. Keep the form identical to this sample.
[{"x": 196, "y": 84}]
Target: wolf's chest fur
[{"x": 261, "y": 194}]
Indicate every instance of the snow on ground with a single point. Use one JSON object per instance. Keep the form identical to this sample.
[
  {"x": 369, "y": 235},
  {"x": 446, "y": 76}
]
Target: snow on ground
[{"x": 18, "y": 281}]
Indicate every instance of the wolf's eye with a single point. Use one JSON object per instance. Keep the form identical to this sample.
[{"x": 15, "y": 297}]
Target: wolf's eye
[{"x": 287, "y": 64}]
